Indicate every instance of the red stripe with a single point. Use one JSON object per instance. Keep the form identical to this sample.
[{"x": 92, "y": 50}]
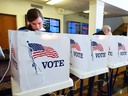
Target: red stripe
[
  {"x": 49, "y": 52},
  {"x": 118, "y": 73},
  {"x": 76, "y": 45}
]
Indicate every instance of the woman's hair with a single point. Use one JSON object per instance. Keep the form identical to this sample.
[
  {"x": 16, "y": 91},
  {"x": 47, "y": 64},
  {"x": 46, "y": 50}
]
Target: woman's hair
[{"x": 32, "y": 15}]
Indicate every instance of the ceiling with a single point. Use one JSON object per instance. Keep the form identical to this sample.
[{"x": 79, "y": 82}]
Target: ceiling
[{"x": 82, "y": 5}]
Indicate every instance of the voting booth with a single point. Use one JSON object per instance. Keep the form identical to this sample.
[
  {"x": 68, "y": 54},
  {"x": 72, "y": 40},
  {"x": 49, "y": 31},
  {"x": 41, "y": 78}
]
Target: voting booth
[
  {"x": 117, "y": 53},
  {"x": 2, "y": 56},
  {"x": 88, "y": 54},
  {"x": 39, "y": 59}
]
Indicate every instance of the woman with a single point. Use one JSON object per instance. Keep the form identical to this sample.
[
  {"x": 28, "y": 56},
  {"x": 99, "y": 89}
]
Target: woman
[{"x": 35, "y": 19}]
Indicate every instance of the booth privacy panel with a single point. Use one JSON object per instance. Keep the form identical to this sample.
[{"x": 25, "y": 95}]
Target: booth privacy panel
[
  {"x": 88, "y": 53},
  {"x": 117, "y": 53},
  {"x": 39, "y": 60}
]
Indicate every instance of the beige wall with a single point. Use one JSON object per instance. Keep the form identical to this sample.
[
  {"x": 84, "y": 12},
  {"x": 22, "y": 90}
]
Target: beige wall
[
  {"x": 125, "y": 18},
  {"x": 19, "y": 8}
]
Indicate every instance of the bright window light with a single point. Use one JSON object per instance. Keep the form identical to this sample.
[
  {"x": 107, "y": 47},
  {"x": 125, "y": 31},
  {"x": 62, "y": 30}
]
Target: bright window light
[
  {"x": 49, "y": 36},
  {"x": 53, "y": 2}
]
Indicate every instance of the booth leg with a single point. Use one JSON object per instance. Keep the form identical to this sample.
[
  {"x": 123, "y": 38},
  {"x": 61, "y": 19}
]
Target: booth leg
[
  {"x": 81, "y": 88},
  {"x": 58, "y": 93},
  {"x": 115, "y": 78},
  {"x": 108, "y": 87},
  {"x": 72, "y": 91},
  {"x": 111, "y": 79},
  {"x": 63, "y": 91},
  {"x": 127, "y": 74},
  {"x": 46, "y": 95},
  {"x": 91, "y": 87}
]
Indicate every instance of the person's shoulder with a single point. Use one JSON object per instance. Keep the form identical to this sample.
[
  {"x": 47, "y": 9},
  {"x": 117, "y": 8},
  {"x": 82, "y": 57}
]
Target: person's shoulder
[
  {"x": 99, "y": 33},
  {"x": 23, "y": 28},
  {"x": 96, "y": 33}
]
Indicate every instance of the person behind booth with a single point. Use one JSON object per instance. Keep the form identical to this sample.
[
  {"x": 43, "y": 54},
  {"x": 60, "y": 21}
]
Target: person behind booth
[
  {"x": 35, "y": 19},
  {"x": 106, "y": 30}
]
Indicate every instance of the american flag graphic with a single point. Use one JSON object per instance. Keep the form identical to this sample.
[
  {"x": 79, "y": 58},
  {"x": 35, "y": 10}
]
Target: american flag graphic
[
  {"x": 96, "y": 46},
  {"x": 74, "y": 45},
  {"x": 121, "y": 46},
  {"x": 39, "y": 51},
  {"x": 13, "y": 51}
]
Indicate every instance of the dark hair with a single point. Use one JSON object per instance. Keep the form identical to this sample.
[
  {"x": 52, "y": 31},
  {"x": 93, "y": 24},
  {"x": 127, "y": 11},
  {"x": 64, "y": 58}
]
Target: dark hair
[{"x": 32, "y": 15}]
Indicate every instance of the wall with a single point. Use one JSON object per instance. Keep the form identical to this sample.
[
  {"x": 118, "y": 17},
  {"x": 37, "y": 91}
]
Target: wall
[
  {"x": 114, "y": 22},
  {"x": 125, "y": 18},
  {"x": 19, "y": 8}
]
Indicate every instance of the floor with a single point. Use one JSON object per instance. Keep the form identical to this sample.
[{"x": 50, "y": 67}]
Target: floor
[{"x": 120, "y": 87}]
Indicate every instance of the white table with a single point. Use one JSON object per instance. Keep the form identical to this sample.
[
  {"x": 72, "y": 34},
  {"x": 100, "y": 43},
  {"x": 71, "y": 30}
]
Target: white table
[
  {"x": 83, "y": 75},
  {"x": 40, "y": 91},
  {"x": 113, "y": 66}
]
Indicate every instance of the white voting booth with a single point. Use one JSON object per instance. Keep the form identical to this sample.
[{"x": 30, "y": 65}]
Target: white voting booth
[
  {"x": 118, "y": 51},
  {"x": 2, "y": 56},
  {"x": 89, "y": 55},
  {"x": 39, "y": 59}
]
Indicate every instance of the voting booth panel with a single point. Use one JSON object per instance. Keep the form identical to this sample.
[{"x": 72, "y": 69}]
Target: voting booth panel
[
  {"x": 125, "y": 53},
  {"x": 80, "y": 53},
  {"x": 117, "y": 52},
  {"x": 122, "y": 47},
  {"x": 99, "y": 44},
  {"x": 39, "y": 59},
  {"x": 88, "y": 53},
  {"x": 2, "y": 56}
]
